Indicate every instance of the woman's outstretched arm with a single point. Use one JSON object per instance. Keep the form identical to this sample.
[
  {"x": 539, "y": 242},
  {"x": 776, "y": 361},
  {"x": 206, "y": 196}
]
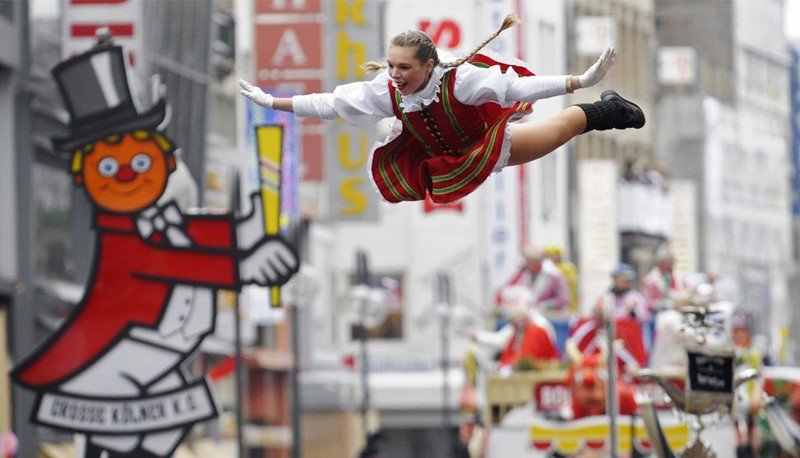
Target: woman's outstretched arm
[
  {"x": 263, "y": 99},
  {"x": 476, "y": 85},
  {"x": 359, "y": 103},
  {"x": 313, "y": 105}
]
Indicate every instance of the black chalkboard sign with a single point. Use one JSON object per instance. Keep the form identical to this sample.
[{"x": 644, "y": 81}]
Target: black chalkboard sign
[{"x": 710, "y": 373}]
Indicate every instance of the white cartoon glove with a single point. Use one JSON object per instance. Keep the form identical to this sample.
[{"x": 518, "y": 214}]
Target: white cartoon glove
[
  {"x": 256, "y": 94},
  {"x": 598, "y": 71},
  {"x": 271, "y": 263},
  {"x": 250, "y": 228}
]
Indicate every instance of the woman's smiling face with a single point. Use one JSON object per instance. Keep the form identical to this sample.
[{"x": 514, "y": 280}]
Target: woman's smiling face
[
  {"x": 125, "y": 177},
  {"x": 408, "y": 73}
]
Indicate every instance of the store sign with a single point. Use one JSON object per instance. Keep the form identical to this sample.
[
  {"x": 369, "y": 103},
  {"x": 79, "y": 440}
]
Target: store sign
[
  {"x": 429, "y": 206},
  {"x": 450, "y": 23},
  {"x": 552, "y": 396},
  {"x": 711, "y": 373},
  {"x": 289, "y": 55},
  {"x": 445, "y": 33},
  {"x": 82, "y": 18},
  {"x": 677, "y": 65},
  {"x": 353, "y": 38}
]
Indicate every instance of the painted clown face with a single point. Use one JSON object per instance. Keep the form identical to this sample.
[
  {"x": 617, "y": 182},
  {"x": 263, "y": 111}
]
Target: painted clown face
[{"x": 127, "y": 176}]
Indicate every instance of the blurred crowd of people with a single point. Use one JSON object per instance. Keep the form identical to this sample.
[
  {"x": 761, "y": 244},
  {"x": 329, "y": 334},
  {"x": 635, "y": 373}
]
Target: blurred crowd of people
[{"x": 648, "y": 327}]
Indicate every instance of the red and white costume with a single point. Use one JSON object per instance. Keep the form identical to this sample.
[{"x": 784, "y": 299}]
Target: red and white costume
[
  {"x": 132, "y": 284},
  {"x": 447, "y": 137},
  {"x": 535, "y": 340},
  {"x": 548, "y": 288},
  {"x": 588, "y": 336},
  {"x": 628, "y": 304},
  {"x": 143, "y": 315}
]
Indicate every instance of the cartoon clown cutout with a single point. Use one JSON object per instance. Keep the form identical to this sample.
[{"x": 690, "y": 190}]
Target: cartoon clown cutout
[{"x": 112, "y": 371}]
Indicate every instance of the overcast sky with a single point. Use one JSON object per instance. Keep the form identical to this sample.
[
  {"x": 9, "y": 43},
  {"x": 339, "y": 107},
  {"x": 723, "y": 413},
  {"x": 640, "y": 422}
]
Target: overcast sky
[{"x": 51, "y": 8}]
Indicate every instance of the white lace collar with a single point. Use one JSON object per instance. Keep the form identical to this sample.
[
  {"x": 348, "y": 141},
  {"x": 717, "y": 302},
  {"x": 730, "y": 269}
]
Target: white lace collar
[{"x": 425, "y": 96}]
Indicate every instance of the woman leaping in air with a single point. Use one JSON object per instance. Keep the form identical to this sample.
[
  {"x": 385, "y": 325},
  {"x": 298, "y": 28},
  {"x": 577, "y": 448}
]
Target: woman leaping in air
[{"x": 453, "y": 123}]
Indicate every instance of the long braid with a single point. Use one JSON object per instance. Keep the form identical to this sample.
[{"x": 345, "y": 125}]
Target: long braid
[
  {"x": 372, "y": 66},
  {"x": 426, "y": 48},
  {"x": 510, "y": 21}
]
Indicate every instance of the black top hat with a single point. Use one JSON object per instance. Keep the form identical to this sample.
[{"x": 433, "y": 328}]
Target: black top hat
[{"x": 95, "y": 89}]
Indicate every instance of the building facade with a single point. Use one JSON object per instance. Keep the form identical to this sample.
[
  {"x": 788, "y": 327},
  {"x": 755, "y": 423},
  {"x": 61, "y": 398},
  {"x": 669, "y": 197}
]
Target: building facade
[
  {"x": 725, "y": 128},
  {"x": 15, "y": 197},
  {"x": 628, "y": 26}
]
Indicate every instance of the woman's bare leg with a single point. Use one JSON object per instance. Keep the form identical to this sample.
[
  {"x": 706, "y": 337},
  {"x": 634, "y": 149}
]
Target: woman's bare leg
[{"x": 532, "y": 140}]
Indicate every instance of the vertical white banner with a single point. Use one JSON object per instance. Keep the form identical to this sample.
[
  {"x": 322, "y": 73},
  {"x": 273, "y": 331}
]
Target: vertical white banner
[
  {"x": 683, "y": 238},
  {"x": 493, "y": 13},
  {"x": 500, "y": 194},
  {"x": 598, "y": 234}
]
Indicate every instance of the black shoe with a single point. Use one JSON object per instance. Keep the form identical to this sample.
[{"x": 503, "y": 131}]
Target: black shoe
[
  {"x": 631, "y": 115},
  {"x": 612, "y": 112}
]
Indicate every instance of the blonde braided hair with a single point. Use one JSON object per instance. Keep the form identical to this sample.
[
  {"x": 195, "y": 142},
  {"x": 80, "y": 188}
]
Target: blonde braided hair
[{"x": 426, "y": 48}]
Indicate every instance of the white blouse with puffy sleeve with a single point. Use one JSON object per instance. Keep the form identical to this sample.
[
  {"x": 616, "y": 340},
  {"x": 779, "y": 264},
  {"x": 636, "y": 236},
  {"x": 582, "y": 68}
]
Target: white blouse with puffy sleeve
[{"x": 366, "y": 102}]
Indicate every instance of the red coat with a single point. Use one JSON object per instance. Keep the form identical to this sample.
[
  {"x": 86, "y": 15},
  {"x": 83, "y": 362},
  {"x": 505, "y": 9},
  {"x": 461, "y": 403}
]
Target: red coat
[
  {"x": 535, "y": 343},
  {"x": 130, "y": 286},
  {"x": 584, "y": 333}
]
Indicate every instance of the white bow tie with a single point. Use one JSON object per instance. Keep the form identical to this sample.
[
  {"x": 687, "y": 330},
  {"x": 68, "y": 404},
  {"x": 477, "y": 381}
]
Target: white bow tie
[{"x": 166, "y": 220}]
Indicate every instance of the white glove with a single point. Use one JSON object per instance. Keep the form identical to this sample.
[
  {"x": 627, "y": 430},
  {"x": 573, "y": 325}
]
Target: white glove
[
  {"x": 272, "y": 263},
  {"x": 256, "y": 94},
  {"x": 250, "y": 228},
  {"x": 598, "y": 71}
]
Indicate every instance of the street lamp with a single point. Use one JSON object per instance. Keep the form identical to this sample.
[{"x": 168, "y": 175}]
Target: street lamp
[
  {"x": 299, "y": 293},
  {"x": 443, "y": 295},
  {"x": 370, "y": 305}
]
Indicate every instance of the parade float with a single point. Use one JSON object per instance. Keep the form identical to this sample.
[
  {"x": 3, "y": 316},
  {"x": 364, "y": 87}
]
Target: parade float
[{"x": 699, "y": 408}]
